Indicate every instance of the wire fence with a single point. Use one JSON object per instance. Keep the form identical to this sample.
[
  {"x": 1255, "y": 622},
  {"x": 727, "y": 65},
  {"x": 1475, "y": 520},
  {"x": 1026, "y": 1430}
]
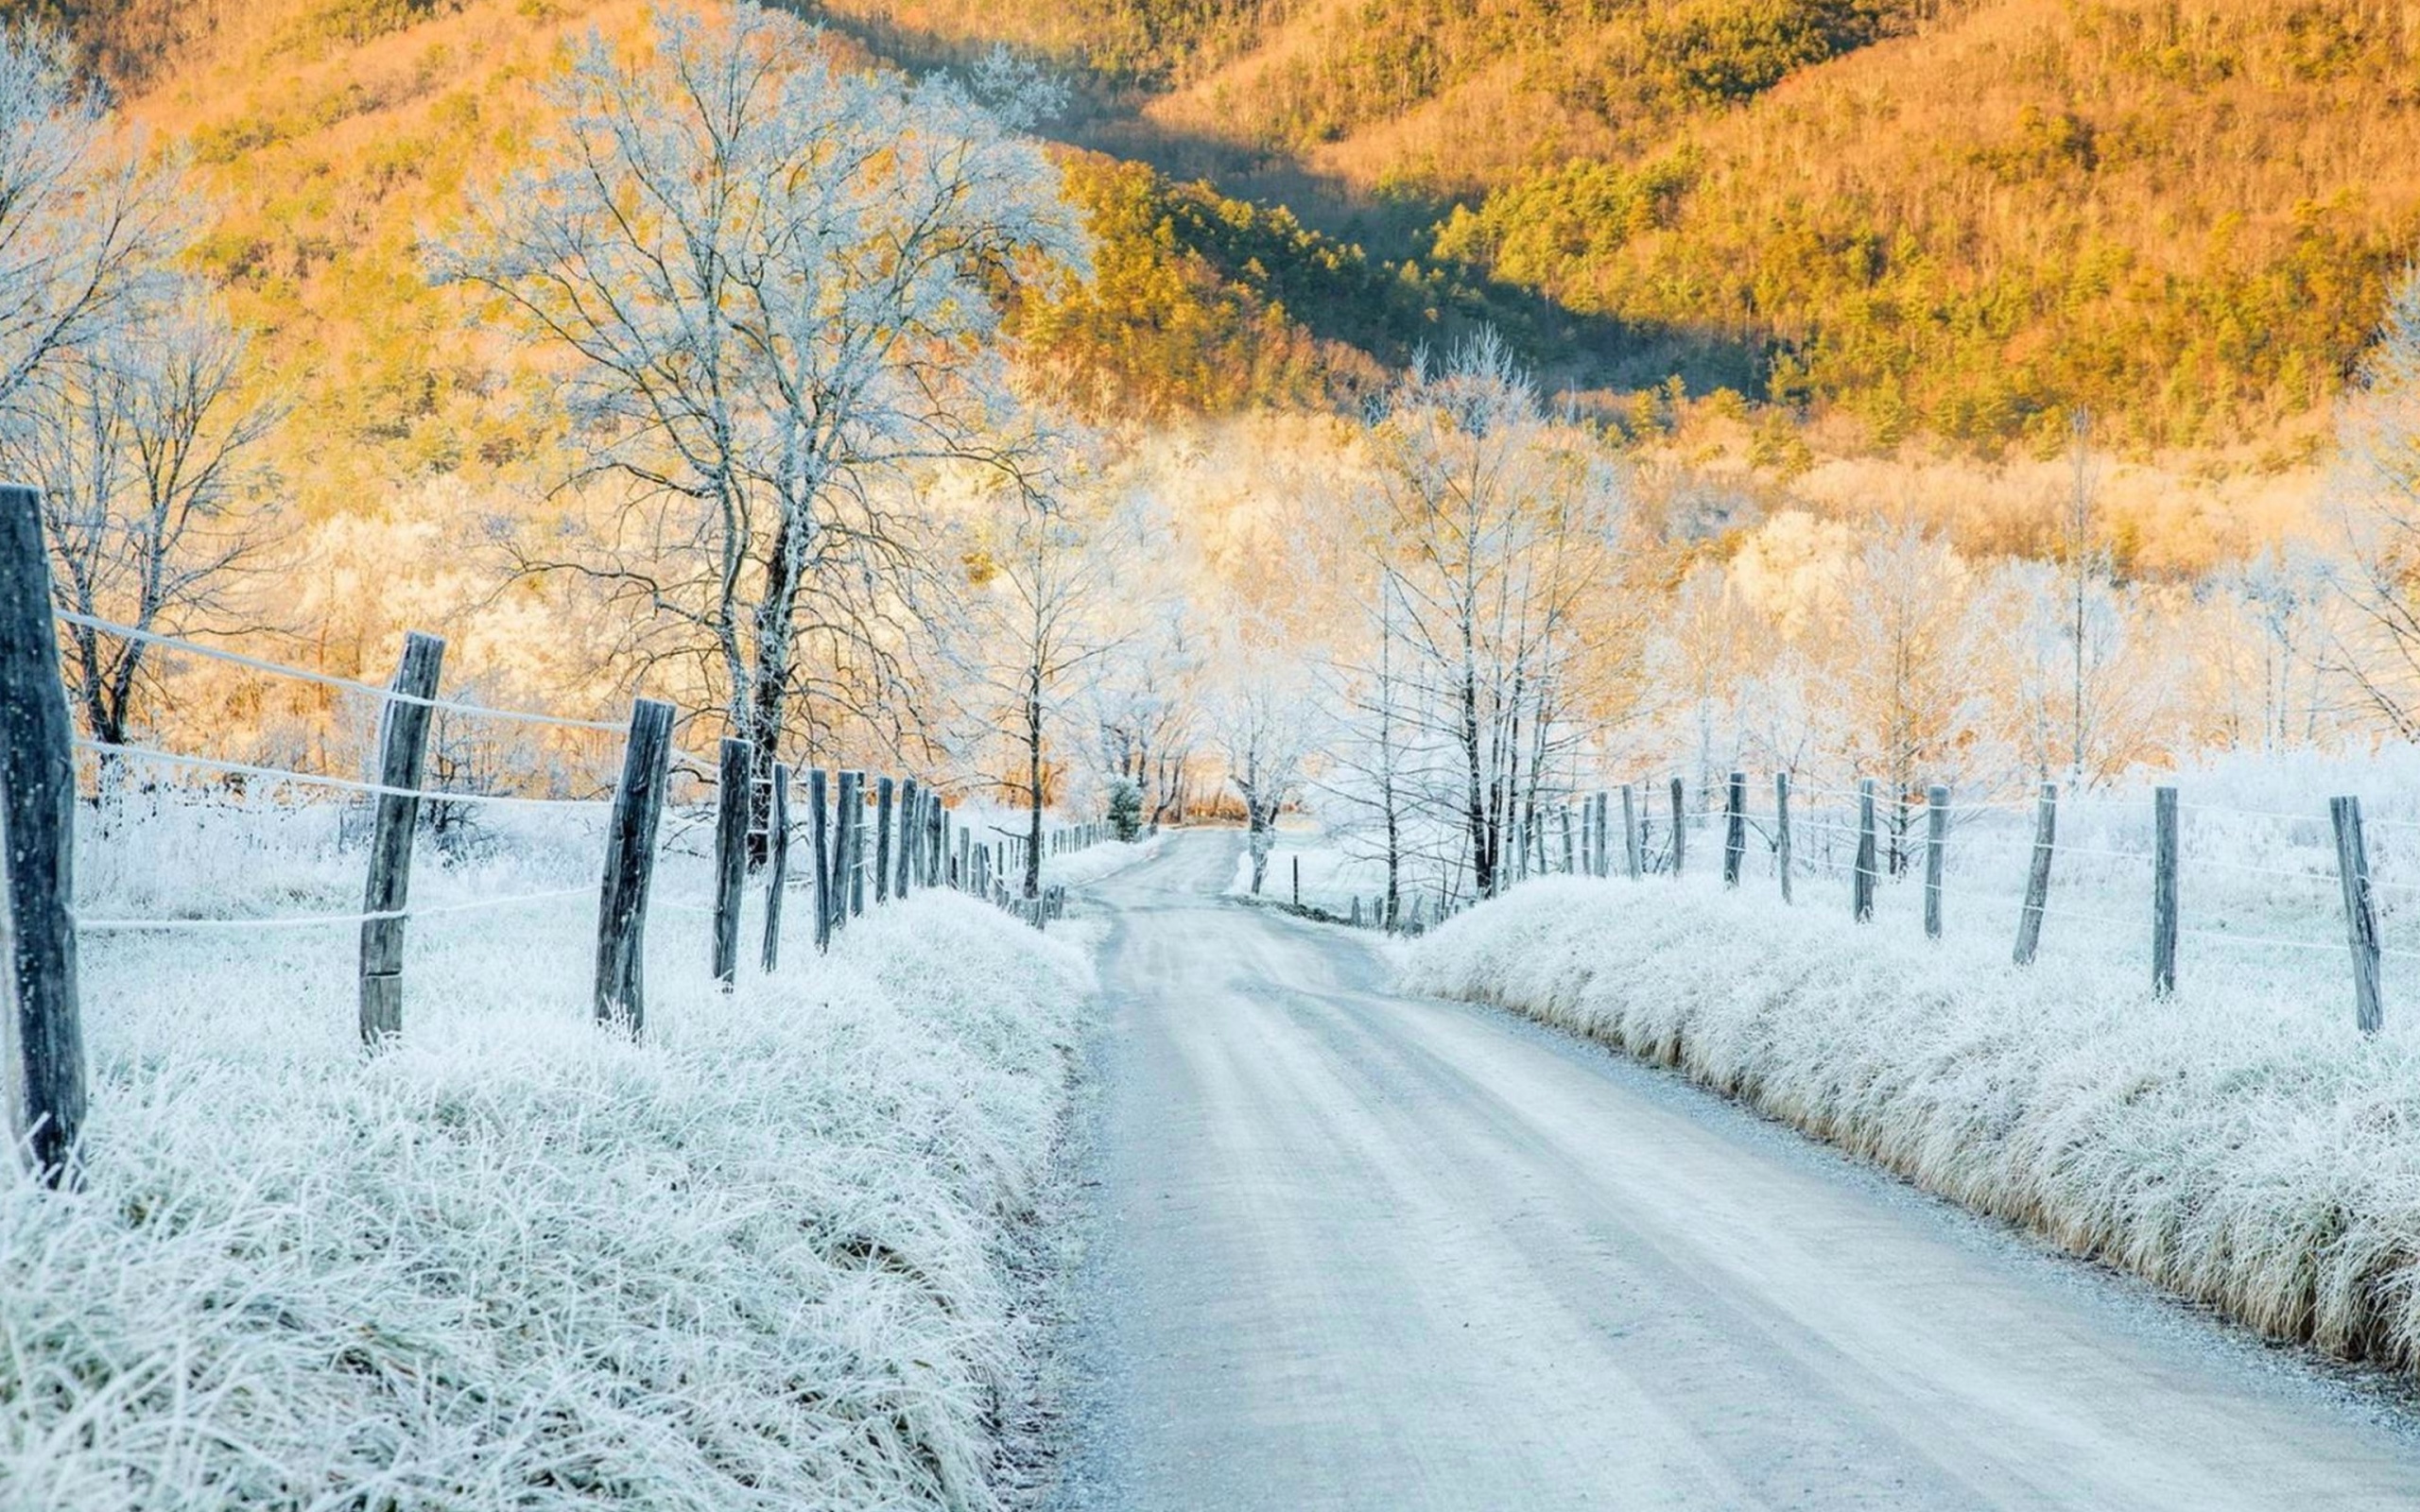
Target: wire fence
[{"x": 862, "y": 840}]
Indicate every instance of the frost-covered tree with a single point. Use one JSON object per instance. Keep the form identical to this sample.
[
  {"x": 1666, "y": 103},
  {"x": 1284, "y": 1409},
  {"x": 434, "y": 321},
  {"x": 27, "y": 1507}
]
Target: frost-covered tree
[
  {"x": 2375, "y": 491},
  {"x": 1268, "y": 724},
  {"x": 144, "y": 442},
  {"x": 773, "y": 284},
  {"x": 84, "y": 223},
  {"x": 1496, "y": 529},
  {"x": 1045, "y": 571}
]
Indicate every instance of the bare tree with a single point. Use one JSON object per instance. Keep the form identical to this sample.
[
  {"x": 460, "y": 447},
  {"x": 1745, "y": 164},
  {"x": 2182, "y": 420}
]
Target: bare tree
[
  {"x": 776, "y": 281},
  {"x": 2376, "y": 500},
  {"x": 1268, "y": 726},
  {"x": 144, "y": 445},
  {"x": 1044, "y": 570},
  {"x": 84, "y": 223},
  {"x": 1497, "y": 527}
]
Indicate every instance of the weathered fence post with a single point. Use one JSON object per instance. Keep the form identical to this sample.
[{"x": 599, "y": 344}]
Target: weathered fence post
[
  {"x": 2164, "y": 848},
  {"x": 730, "y": 854},
  {"x": 630, "y": 867},
  {"x": 1298, "y": 882},
  {"x": 1680, "y": 823},
  {"x": 1936, "y": 841},
  {"x": 1631, "y": 849},
  {"x": 777, "y": 866},
  {"x": 1782, "y": 830},
  {"x": 911, "y": 822},
  {"x": 936, "y": 840},
  {"x": 857, "y": 851},
  {"x": 818, "y": 827},
  {"x": 1861, "y": 881},
  {"x": 44, "y": 1095},
  {"x": 403, "y": 749},
  {"x": 1735, "y": 828},
  {"x": 2037, "y": 878},
  {"x": 964, "y": 878},
  {"x": 2360, "y": 919},
  {"x": 1569, "y": 865},
  {"x": 848, "y": 811},
  {"x": 886, "y": 792}
]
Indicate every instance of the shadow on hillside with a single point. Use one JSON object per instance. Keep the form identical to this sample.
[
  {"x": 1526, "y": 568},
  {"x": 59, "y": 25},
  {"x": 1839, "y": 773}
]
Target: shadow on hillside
[{"x": 1572, "y": 351}]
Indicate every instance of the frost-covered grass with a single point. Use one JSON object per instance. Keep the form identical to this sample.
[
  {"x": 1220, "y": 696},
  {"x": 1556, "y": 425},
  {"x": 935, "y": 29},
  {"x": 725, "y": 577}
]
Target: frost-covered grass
[
  {"x": 758, "y": 1260},
  {"x": 2237, "y": 1141}
]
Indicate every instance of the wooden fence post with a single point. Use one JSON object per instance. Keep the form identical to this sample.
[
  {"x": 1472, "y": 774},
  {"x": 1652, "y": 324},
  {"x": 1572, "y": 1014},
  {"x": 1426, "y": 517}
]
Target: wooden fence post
[
  {"x": 1569, "y": 865},
  {"x": 1861, "y": 882},
  {"x": 1631, "y": 849},
  {"x": 857, "y": 851},
  {"x": 1680, "y": 824},
  {"x": 1936, "y": 841},
  {"x": 910, "y": 823},
  {"x": 403, "y": 749},
  {"x": 730, "y": 854},
  {"x": 936, "y": 840},
  {"x": 1604, "y": 837},
  {"x": 2164, "y": 852},
  {"x": 848, "y": 817},
  {"x": 885, "y": 795},
  {"x": 630, "y": 867},
  {"x": 2037, "y": 878},
  {"x": 818, "y": 827},
  {"x": 777, "y": 858},
  {"x": 44, "y": 1095},
  {"x": 1781, "y": 830},
  {"x": 1735, "y": 828},
  {"x": 964, "y": 878},
  {"x": 2360, "y": 918}
]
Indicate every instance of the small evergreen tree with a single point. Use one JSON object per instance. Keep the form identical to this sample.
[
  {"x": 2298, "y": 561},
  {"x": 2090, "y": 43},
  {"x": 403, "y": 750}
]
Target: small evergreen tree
[{"x": 1126, "y": 809}]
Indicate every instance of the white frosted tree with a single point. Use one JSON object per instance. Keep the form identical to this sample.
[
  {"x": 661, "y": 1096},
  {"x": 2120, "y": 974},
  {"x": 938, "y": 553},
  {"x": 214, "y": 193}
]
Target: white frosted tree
[
  {"x": 144, "y": 446},
  {"x": 2374, "y": 642},
  {"x": 772, "y": 283},
  {"x": 1497, "y": 528},
  {"x": 85, "y": 224}
]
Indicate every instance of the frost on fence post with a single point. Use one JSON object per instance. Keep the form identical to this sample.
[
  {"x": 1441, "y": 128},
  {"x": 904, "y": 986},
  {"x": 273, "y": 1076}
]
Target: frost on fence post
[
  {"x": 1631, "y": 859},
  {"x": 630, "y": 867},
  {"x": 43, "y": 1034},
  {"x": 886, "y": 796},
  {"x": 819, "y": 802},
  {"x": 848, "y": 817},
  {"x": 1861, "y": 880},
  {"x": 777, "y": 866},
  {"x": 857, "y": 850},
  {"x": 1936, "y": 841},
  {"x": 403, "y": 750},
  {"x": 2360, "y": 917},
  {"x": 739, "y": 759},
  {"x": 2038, "y": 880},
  {"x": 1781, "y": 830},
  {"x": 1680, "y": 823},
  {"x": 2164, "y": 848},
  {"x": 1569, "y": 865},
  {"x": 910, "y": 826},
  {"x": 1735, "y": 828}
]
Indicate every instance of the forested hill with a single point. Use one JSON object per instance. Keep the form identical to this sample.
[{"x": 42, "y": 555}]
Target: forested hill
[{"x": 1907, "y": 216}]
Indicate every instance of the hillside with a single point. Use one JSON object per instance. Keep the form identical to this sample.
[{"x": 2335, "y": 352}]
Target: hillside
[
  {"x": 1953, "y": 218},
  {"x": 1890, "y": 219}
]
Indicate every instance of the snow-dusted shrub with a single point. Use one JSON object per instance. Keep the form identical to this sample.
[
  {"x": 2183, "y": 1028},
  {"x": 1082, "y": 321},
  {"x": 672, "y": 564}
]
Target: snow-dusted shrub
[
  {"x": 757, "y": 1259},
  {"x": 2237, "y": 1141}
]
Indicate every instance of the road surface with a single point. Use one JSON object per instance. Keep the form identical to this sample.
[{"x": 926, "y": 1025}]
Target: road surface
[{"x": 1355, "y": 1249}]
